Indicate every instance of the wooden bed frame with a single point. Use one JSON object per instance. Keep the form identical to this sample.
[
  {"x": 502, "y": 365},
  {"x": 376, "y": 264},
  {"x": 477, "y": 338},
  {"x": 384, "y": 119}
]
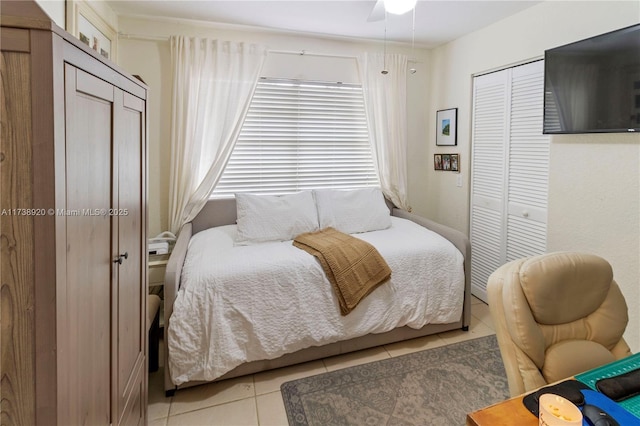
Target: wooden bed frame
[{"x": 223, "y": 212}]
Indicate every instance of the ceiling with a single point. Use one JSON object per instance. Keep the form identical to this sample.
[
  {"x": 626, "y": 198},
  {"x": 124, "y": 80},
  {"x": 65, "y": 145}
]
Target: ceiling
[{"x": 437, "y": 22}]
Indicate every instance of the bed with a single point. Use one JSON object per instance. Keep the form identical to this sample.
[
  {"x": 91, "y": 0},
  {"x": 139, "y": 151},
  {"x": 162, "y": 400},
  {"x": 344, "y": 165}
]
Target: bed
[{"x": 205, "y": 310}]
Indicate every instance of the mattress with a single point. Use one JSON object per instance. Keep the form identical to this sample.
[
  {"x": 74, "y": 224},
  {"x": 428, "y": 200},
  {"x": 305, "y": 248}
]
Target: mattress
[{"x": 246, "y": 303}]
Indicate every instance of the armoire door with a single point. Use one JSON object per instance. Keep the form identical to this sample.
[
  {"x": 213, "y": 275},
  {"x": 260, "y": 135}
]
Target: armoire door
[
  {"x": 510, "y": 168},
  {"x": 84, "y": 341},
  {"x": 130, "y": 284}
]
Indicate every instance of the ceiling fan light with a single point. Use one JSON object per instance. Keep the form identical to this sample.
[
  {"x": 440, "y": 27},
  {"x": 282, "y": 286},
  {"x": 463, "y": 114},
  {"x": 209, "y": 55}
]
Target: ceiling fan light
[{"x": 399, "y": 7}]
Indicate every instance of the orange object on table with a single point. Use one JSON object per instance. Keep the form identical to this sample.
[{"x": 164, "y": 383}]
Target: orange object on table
[{"x": 511, "y": 412}]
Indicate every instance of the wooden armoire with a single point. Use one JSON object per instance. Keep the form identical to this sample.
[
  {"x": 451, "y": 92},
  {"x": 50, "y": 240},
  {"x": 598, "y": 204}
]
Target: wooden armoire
[{"x": 73, "y": 200}]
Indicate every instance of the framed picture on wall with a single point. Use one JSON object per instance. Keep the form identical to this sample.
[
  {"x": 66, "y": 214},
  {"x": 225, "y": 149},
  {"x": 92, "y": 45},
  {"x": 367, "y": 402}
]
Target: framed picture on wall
[
  {"x": 455, "y": 161},
  {"x": 437, "y": 162},
  {"x": 91, "y": 29},
  {"x": 446, "y": 162},
  {"x": 447, "y": 127}
]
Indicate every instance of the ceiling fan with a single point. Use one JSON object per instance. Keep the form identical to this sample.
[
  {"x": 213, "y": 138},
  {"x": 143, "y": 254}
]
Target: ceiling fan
[{"x": 396, "y": 7}]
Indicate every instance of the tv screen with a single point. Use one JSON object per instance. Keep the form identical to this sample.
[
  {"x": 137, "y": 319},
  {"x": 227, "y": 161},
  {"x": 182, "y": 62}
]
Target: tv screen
[{"x": 593, "y": 85}]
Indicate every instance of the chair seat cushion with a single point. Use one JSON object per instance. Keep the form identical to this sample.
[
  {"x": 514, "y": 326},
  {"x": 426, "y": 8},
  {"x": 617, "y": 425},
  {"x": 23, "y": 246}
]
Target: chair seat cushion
[{"x": 570, "y": 357}]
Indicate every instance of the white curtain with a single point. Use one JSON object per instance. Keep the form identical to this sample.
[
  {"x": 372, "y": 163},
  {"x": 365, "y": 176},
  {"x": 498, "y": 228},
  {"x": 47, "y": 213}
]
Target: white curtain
[
  {"x": 213, "y": 82},
  {"x": 385, "y": 97}
]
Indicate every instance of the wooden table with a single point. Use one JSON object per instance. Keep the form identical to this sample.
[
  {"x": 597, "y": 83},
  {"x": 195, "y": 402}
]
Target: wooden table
[{"x": 511, "y": 412}]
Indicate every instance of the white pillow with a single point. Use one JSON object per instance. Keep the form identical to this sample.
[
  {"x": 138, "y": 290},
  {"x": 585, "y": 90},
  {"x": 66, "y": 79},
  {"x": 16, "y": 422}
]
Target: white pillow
[
  {"x": 352, "y": 211},
  {"x": 274, "y": 218}
]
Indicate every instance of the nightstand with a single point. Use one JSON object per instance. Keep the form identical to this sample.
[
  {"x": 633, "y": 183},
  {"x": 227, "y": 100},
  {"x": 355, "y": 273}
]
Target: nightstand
[{"x": 156, "y": 267}]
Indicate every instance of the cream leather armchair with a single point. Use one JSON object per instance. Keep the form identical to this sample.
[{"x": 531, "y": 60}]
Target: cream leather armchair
[{"x": 556, "y": 315}]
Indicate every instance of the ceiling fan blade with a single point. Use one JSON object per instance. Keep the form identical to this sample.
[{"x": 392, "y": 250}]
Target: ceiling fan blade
[{"x": 377, "y": 13}]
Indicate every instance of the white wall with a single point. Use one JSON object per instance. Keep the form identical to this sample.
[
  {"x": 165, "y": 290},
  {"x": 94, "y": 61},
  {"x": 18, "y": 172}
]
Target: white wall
[
  {"x": 151, "y": 59},
  {"x": 102, "y": 8},
  {"x": 55, "y": 9},
  {"x": 594, "y": 187},
  {"x": 594, "y": 206}
]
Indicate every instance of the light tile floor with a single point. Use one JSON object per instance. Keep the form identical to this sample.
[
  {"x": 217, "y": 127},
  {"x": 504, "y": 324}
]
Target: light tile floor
[{"x": 255, "y": 399}]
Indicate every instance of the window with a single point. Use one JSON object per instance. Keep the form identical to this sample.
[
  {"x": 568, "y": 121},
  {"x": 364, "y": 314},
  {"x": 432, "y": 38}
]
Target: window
[{"x": 301, "y": 135}]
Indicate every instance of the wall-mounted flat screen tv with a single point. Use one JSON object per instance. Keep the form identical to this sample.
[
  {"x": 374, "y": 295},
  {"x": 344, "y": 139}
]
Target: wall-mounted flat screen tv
[{"x": 593, "y": 85}]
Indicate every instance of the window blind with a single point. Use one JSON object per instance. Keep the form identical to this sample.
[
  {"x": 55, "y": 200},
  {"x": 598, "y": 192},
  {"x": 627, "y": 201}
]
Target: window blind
[{"x": 301, "y": 135}]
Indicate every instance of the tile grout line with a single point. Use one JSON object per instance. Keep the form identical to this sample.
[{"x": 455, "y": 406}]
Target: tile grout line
[
  {"x": 324, "y": 364},
  {"x": 387, "y": 351},
  {"x": 255, "y": 398},
  {"x": 213, "y": 406},
  {"x": 255, "y": 404},
  {"x": 255, "y": 390}
]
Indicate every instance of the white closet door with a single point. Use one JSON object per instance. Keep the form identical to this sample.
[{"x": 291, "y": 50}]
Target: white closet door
[
  {"x": 490, "y": 136},
  {"x": 528, "y": 165},
  {"x": 509, "y": 176}
]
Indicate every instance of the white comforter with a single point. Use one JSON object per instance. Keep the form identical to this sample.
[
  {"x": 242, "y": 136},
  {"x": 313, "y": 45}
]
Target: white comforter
[{"x": 248, "y": 303}]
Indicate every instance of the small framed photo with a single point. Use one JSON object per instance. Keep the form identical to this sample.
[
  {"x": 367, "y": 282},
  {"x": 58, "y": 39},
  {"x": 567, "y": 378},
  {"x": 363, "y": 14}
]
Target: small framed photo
[
  {"x": 85, "y": 39},
  {"x": 447, "y": 127},
  {"x": 91, "y": 28},
  {"x": 455, "y": 161},
  {"x": 446, "y": 162},
  {"x": 437, "y": 161}
]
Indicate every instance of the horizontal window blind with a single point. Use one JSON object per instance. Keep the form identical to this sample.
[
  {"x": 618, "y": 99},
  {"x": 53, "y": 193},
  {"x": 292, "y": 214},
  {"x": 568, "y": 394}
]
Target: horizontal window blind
[{"x": 301, "y": 135}]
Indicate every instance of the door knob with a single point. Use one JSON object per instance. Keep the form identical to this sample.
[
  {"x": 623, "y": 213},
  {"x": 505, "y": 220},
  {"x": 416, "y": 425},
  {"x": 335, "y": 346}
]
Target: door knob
[{"x": 120, "y": 258}]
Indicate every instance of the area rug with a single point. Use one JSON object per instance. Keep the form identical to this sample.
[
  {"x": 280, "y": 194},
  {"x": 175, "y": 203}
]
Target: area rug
[{"x": 433, "y": 387}]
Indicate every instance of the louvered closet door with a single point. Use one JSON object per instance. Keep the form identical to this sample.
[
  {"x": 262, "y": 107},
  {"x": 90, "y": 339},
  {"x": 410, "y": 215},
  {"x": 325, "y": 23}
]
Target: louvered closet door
[
  {"x": 510, "y": 161},
  {"x": 490, "y": 124},
  {"x": 528, "y": 165}
]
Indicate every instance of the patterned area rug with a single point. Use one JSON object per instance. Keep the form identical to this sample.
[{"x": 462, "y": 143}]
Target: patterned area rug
[{"x": 434, "y": 387}]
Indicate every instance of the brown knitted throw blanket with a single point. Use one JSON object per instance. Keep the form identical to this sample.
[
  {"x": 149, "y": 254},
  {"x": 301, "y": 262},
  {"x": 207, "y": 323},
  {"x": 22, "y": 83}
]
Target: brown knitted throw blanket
[{"x": 353, "y": 266}]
